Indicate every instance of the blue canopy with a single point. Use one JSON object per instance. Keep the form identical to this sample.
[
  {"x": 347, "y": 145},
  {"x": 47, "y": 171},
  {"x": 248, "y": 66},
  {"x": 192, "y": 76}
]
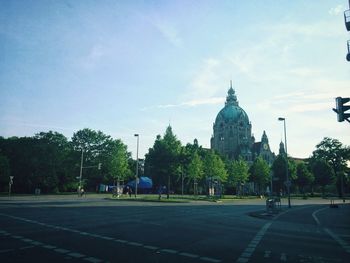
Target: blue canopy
[{"x": 144, "y": 183}]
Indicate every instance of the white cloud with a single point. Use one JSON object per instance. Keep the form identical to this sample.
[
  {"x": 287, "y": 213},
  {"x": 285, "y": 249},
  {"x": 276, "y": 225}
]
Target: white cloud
[
  {"x": 292, "y": 30},
  {"x": 96, "y": 53},
  {"x": 336, "y": 10},
  {"x": 166, "y": 29},
  {"x": 206, "y": 81},
  {"x": 309, "y": 107},
  {"x": 190, "y": 103},
  {"x": 305, "y": 72}
]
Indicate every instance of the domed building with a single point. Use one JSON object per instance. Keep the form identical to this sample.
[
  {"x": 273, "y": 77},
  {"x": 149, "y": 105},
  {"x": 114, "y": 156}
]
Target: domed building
[{"x": 232, "y": 133}]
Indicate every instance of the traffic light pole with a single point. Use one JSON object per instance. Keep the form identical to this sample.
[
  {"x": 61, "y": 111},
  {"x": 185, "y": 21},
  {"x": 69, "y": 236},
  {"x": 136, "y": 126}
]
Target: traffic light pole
[{"x": 341, "y": 109}]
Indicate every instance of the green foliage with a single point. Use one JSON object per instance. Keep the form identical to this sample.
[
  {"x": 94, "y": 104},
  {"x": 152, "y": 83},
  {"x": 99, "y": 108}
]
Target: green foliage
[
  {"x": 52, "y": 163},
  {"x": 260, "y": 173},
  {"x": 4, "y": 172},
  {"x": 162, "y": 162},
  {"x": 195, "y": 168},
  {"x": 336, "y": 155},
  {"x": 323, "y": 173},
  {"x": 279, "y": 172},
  {"x": 333, "y": 152},
  {"x": 304, "y": 177},
  {"x": 215, "y": 167},
  {"x": 238, "y": 173},
  {"x": 117, "y": 162}
]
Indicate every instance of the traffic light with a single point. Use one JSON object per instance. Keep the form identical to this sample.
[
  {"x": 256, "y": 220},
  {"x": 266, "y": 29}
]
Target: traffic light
[{"x": 341, "y": 109}]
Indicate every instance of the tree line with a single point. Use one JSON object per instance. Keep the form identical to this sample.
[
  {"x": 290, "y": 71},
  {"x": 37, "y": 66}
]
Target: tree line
[{"x": 51, "y": 162}]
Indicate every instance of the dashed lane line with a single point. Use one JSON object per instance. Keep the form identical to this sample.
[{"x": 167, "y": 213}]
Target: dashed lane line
[
  {"x": 35, "y": 243},
  {"x": 125, "y": 242}
]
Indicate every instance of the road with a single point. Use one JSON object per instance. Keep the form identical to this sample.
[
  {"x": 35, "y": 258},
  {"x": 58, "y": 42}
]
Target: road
[{"x": 95, "y": 230}]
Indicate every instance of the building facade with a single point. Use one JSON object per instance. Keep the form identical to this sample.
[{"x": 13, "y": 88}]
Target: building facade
[{"x": 232, "y": 133}]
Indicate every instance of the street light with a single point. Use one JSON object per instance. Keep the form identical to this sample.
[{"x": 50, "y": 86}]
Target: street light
[
  {"x": 285, "y": 143},
  {"x": 137, "y": 164},
  {"x": 81, "y": 170}
]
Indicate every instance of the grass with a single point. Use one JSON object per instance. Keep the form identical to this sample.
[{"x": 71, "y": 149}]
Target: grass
[{"x": 179, "y": 198}]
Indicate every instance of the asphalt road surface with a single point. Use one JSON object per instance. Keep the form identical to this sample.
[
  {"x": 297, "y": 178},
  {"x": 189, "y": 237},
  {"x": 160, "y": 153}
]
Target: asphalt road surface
[{"x": 95, "y": 230}]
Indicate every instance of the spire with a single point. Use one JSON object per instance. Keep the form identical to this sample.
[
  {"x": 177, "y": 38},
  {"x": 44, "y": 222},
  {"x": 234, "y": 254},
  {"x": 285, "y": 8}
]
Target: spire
[
  {"x": 281, "y": 150},
  {"x": 264, "y": 137},
  {"x": 231, "y": 98}
]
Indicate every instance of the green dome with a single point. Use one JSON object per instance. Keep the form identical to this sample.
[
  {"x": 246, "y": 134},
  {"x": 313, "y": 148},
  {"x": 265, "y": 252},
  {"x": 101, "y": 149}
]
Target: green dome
[{"x": 232, "y": 112}]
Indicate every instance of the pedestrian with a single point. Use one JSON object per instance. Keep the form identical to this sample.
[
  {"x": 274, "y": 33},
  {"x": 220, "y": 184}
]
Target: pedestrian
[
  {"x": 130, "y": 191},
  {"x": 82, "y": 192}
]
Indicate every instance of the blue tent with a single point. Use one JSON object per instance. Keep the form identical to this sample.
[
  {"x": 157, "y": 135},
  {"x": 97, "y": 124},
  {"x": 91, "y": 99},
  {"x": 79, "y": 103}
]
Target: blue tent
[{"x": 144, "y": 183}]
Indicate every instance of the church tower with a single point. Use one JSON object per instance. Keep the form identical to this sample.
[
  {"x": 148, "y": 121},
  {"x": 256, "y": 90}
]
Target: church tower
[{"x": 232, "y": 134}]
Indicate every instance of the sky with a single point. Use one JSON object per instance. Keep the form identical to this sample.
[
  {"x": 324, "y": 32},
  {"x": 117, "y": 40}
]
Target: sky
[{"x": 126, "y": 67}]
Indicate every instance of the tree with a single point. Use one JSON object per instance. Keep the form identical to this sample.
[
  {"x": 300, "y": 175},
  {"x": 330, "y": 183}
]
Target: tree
[
  {"x": 96, "y": 147},
  {"x": 214, "y": 170},
  {"x": 195, "y": 171},
  {"x": 336, "y": 155},
  {"x": 117, "y": 162},
  {"x": 238, "y": 173},
  {"x": 279, "y": 171},
  {"x": 304, "y": 177},
  {"x": 260, "y": 173},
  {"x": 4, "y": 172},
  {"x": 54, "y": 171},
  {"x": 323, "y": 172},
  {"x": 162, "y": 160}
]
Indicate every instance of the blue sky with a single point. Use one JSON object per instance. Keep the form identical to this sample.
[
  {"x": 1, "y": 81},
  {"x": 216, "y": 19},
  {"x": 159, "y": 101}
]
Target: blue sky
[{"x": 126, "y": 67}]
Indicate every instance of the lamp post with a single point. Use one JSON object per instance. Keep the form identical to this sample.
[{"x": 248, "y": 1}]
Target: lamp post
[
  {"x": 285, "y": 143},
  {"x": 137, "y": 164},
  {"x": 81, "y": 170}
]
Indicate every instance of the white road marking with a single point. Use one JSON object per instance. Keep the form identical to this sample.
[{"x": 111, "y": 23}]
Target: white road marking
[
  {"x": 49, "y": 247},
  {"x": 6, "y": 250},
  {"x": 267, "y": 254},
  {"x": 131, "y": 243},
  {"x": 76, "y": 255},
  {"x": 188, "y": 255},
  {"x": 120, "y": 241},
  {"x": 315, "y": 217},
  {"x": 210, "y": 259},
  {"x": 136, "y": 244},
  {"x": 340, "y": 241},
  {"x": 283, "y": 257},
  {"x": 171, "y": 251},
  {"x": 151, "y": 247},
  {"x": 62, "y": 250},
  {"x": 245, "y": 256},
  {"x": 53, "y": 248},
  {"x": 26, "y": 247},
  {"x": 93, "y": 260}
]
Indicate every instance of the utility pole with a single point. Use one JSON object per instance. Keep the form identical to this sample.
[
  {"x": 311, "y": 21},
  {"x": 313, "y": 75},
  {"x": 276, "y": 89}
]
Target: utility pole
[
  {"x": 137, "y": 164},
  {"x": 288, "y": 183}
]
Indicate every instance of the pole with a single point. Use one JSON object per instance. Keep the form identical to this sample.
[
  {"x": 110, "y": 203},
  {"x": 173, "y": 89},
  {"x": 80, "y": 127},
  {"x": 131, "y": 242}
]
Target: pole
[
  {"x": 81, "y": 169},
  {"x": 137, "y": 164},
  {"x": 182, "y": 182},
  {"x": 288, "y": 183},
  {"x": 271, "y": 175}
]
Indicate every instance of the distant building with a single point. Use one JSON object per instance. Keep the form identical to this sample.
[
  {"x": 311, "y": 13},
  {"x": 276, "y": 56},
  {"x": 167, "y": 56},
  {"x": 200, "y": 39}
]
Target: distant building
[{"x": 232, "y": 134}]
